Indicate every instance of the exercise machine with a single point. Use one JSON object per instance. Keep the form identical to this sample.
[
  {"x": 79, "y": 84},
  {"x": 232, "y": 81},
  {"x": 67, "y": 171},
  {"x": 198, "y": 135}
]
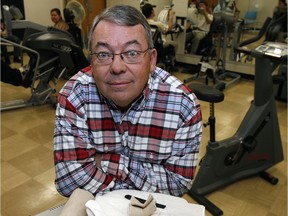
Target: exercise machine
[
  {"x": 166, "y": 52},
  {"x": 223, "y": 22},
  {"x": 51, "y": 54},
  {"x": 280, "y": 83},
  {"x": 236, "y": 54},
  {"x": 256, "y": 145}
]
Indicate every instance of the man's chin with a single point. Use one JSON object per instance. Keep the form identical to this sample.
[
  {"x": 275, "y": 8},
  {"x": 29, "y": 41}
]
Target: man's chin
[
  {"x": 123, "y": 100},
  {"x": 120, "y": 98}
]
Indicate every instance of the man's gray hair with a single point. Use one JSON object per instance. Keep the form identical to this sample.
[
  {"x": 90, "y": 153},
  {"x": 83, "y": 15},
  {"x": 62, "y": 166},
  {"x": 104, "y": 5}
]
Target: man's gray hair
[{"x": 124, "y": 15}]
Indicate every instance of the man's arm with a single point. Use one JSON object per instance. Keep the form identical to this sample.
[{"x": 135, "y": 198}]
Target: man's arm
[
  {"x": 171, "y": 20},
  {"x": 74, "y": 155},
  {"x": 203, "y": 10}
]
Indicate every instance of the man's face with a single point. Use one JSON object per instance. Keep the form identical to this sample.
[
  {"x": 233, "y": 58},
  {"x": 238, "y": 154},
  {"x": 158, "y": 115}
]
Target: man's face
[{"x": 120, "y": 81}]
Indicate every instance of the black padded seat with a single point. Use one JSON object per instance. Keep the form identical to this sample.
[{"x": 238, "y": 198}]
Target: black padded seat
[{"x": 207, "y": 93}]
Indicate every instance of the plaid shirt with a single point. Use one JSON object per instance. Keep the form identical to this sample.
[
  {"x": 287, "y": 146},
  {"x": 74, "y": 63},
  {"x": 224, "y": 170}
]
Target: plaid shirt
[{"x": 152, "y": 147}]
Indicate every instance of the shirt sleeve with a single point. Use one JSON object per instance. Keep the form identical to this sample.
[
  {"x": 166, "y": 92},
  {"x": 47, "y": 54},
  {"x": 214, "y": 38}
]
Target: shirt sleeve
[
  {"x": 162, "y": 26},
  {"x": 74, "y": 155}
]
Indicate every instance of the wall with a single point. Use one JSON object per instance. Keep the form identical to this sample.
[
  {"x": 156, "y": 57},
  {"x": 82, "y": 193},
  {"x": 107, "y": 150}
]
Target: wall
[
  {"x": 136, "y": 3},
  {"x": 92, "y": 8},
  {"x": 159, "y": 5},
  {"x": 265, "y": 8},
  {"x": 39, "y": 11}
]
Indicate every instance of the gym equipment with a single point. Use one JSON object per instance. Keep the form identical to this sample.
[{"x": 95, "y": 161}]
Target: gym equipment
[
  {"x": 280, "y": 83},
  {"x": 274, "y": 29},
  {"x": 278, "y": 30},
  {"x": 256, "y": 145},
  {"x": 51, "y": 54},
  {"x": 234, "y": 49},
  {"x": 223, "y": 21},
  {"x": 166, "y": 52},
  {"x": 238, "y": 28}
]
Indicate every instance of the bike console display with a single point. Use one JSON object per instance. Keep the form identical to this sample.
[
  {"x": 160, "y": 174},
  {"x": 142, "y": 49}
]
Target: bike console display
[{"x": 273, "y": 49}]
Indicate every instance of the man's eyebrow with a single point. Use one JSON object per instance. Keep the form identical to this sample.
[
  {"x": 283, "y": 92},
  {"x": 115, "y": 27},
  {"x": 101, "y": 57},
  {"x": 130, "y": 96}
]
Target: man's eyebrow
[
  {"x": 132, "y": 42},
  {"x": 100, "y": 44},
  {"x": 104, "y": 44}
]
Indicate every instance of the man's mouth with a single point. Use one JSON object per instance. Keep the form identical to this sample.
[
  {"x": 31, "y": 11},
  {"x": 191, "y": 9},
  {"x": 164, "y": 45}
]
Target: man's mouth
[{"x": 121, "y": 84}]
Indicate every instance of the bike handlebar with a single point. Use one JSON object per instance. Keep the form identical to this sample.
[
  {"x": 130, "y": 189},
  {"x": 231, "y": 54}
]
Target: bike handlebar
[{"x": 240, "y": 47}]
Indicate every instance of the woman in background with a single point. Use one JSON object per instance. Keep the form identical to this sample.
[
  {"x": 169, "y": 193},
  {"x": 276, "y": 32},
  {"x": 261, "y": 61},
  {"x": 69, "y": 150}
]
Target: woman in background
[{"x": 57, "y": 19}]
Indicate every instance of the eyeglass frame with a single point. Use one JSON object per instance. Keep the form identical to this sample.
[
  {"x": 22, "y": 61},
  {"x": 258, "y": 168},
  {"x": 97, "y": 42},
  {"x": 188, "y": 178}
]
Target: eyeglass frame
[{"x": 112, "y": 55}]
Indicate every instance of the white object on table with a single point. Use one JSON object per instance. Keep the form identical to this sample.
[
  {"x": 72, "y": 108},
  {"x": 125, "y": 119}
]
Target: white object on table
[{"x": 115, "y": 203}]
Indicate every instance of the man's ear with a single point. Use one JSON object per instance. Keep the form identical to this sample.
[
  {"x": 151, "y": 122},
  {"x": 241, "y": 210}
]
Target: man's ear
[{"x": 153, "y": 61}]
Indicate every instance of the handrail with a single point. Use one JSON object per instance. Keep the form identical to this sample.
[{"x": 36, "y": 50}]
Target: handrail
[
  {"x": 29, "y": 50},
  {"x": 240, "y": 46}
]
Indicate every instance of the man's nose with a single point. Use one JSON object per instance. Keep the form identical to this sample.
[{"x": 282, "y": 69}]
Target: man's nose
[{"x": 118, "y": 65}]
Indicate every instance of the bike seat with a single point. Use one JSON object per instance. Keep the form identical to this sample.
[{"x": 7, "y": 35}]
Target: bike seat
[{"x": 207, "y": 93}]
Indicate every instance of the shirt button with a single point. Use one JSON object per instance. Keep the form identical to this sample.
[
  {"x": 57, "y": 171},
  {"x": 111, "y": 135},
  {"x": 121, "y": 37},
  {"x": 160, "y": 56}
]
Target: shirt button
[{"x": 125, "y": 142}]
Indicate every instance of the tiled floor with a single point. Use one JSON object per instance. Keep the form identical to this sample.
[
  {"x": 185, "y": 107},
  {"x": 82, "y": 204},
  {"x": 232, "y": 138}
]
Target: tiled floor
[{"x": 27, "y": 172}]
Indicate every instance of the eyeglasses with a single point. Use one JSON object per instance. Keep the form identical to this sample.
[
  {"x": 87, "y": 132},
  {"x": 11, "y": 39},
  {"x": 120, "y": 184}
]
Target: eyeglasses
[{"x": 129, "y": 57}]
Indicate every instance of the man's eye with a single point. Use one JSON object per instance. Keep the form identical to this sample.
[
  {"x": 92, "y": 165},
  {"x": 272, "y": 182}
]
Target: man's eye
[
  {"x": 103, "y": 55},
  {"x": 132, "y": 53}
]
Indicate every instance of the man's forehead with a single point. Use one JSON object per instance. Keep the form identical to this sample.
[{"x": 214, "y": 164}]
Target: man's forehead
[
  {"x": 108, "y": 32},
  {"x": 109, "y": 24},
  {"x": 124, "y": 44}
]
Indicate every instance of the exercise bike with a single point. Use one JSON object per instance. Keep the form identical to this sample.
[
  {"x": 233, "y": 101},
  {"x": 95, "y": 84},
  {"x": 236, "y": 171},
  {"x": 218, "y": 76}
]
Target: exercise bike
[{"x": 256, "y": 145}]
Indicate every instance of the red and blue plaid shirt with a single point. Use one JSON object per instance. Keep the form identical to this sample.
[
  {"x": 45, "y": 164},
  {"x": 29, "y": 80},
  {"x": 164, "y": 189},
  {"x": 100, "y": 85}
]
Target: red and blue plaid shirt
[{"x": 152, "y": 147}]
